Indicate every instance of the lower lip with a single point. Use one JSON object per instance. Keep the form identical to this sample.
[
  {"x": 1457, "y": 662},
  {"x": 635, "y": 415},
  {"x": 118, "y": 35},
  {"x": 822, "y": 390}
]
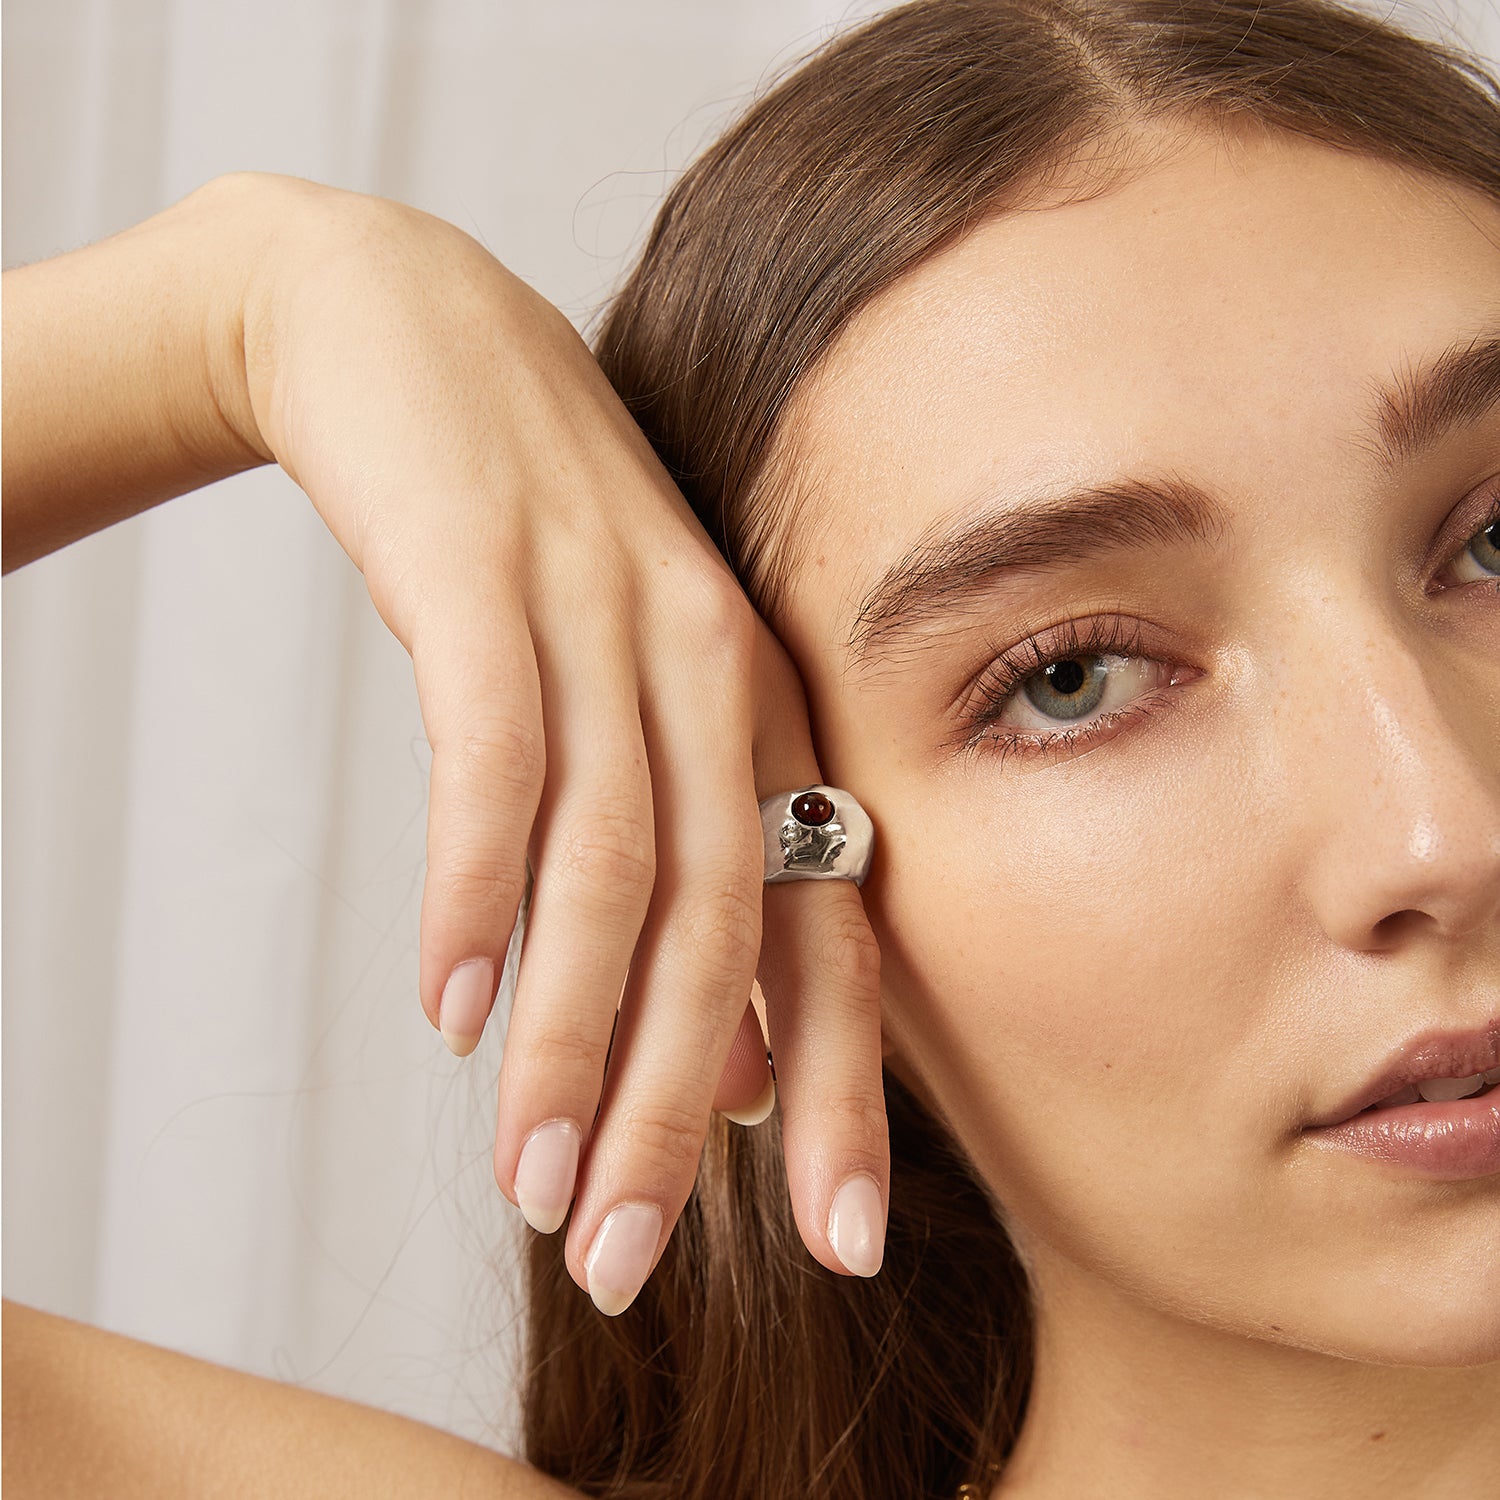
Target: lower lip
[{"x": 1445, "y": 1142}]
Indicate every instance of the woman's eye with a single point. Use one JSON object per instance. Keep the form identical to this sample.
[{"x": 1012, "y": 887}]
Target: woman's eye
[
  {"x": 1481, "y": 557},
  {"x": 1066, "y": 688},
  {"x": 1067, "y": 692},
  {"x": 1076, "y": 686}
]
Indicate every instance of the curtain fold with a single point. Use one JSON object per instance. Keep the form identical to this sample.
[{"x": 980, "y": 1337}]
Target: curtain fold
[{"x": 228, "y": 1128}]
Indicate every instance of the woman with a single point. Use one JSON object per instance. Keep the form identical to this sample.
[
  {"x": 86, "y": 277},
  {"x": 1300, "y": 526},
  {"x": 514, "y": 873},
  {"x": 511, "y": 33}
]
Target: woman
[{"x": 1102, "y": 405}]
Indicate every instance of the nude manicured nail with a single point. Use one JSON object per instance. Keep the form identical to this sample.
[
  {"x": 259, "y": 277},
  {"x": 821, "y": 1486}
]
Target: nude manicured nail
[
  {"x": 546, "y": 1172},
  {"x": 466, "y": 1004},
  {"x": 753, "y": 1114},
  {"x": 856, "y": 1225},
  {"x": 621, "y": 1256}
]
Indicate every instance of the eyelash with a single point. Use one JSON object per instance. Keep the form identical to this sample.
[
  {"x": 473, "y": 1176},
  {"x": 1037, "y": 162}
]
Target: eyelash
[{"x": 1003, "y": 678}]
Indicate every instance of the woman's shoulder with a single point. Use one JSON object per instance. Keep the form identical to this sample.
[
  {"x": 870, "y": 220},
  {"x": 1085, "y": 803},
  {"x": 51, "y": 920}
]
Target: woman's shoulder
[{"x": 91, "y": 1412}]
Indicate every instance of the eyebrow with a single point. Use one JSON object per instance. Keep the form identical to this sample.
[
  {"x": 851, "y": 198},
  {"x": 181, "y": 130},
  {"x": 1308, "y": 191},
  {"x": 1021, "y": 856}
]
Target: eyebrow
[
  {"x": 949, "y": 567},
  {"x": 944, "y": 572},
  {"x": 1420, "y": 408}
]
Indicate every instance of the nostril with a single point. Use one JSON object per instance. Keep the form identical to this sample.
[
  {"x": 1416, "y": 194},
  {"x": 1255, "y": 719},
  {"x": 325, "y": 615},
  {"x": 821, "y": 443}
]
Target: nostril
[{"x": 1393, "y": 927}]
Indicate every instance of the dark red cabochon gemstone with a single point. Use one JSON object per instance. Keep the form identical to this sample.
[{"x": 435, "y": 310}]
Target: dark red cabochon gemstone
[{"x": 812, "y": 808}]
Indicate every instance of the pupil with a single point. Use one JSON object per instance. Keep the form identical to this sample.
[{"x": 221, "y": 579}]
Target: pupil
[{"x": 1066, "y": 676}]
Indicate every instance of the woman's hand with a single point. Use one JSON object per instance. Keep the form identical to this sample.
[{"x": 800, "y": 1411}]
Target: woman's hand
[{"x": 598, "y": 694}]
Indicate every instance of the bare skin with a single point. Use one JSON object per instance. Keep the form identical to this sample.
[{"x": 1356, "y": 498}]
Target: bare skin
[
  {"x": 601, "y": 698},
  {"x": 1128, "y": 971},
  {"x": 602, "y": 701},
  {"x": 1127, "y": 975},
  {"x": 88, "y": 1413}
]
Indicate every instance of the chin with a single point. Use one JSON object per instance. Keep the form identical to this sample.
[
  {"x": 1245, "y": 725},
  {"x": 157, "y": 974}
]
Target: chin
[
  {"x": 1444, "y": 1314},
  {"x": 1454, "y": 1347},
  {"x": 1457, "y": 1331}
]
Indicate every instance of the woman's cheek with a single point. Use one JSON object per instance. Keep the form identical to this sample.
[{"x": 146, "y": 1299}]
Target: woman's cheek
[{"x": 1067, "y": 936}]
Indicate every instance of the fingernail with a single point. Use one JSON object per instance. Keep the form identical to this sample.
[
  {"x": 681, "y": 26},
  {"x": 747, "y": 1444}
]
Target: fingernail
[
  {"x": 466, "y": 1004},
  {"x": 753, "y": 1114},
  {"x": 856, "y": 1225},
  {"x": 546, "y": 1172},
  {"x": 621, "y": 1256}
]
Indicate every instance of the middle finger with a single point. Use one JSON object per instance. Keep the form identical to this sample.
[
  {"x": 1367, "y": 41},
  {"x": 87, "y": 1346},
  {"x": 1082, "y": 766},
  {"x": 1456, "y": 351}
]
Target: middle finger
[
  {"x": 690, "y": 983},
  {"x": 593, "y": 853}
]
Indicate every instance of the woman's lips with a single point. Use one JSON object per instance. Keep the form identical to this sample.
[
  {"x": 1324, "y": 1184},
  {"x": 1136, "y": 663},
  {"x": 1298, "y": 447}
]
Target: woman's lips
[
  {"x": 1445, "y": 1142},
  {"x": 1429, "y": 1055}
]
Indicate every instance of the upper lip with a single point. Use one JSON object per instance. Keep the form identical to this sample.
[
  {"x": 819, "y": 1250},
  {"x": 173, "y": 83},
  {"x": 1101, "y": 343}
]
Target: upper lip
[{"x": 1432, "y": 1054}]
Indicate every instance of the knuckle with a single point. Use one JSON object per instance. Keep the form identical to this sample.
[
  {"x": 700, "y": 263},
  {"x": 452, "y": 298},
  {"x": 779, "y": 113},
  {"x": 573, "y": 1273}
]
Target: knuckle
[
  {"x": 503, "y": 758},
  {"x": 726, "y": 621},
  {"x": 667, "y": 1138},
  {"x": 563, "y": 1056},
  {"x": 848, "y": 948},
  {"x": 470, "y": 882},
  {"x": 724, "y": 927},
  {"x": 859, "y": 1116},
  {"x": 610, "y": 846}
]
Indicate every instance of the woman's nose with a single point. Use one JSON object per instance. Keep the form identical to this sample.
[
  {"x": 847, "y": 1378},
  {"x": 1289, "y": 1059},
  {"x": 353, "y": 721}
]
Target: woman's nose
[{"x": 1401, "y": 776}]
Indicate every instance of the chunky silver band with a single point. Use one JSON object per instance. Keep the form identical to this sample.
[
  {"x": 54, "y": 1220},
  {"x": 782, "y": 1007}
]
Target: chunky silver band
[{"x": 816, "y": 833}]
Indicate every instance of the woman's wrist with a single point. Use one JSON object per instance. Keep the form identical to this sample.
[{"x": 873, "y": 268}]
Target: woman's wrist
[
  {"x": 124, "y": 367},
  {"x": 272, "y": 231},
  {"x": 144, "y": 365}
]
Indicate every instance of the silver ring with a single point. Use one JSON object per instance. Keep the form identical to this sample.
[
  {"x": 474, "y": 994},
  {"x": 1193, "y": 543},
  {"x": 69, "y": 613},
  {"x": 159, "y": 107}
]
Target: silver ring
[{"x": 816, "y": 833}]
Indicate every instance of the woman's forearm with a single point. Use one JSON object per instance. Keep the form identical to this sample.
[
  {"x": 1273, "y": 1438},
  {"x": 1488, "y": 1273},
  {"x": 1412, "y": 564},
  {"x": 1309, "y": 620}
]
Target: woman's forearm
[
  {"x": 90, "y": 1413},
  {"x": 124, "y": 368}
]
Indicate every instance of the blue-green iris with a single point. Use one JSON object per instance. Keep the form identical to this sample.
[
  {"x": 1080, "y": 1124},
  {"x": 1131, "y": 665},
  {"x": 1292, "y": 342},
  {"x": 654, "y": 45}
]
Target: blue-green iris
[
  {"x": 1069, "y": 689},
  {"x": 1486, "y": 548}
]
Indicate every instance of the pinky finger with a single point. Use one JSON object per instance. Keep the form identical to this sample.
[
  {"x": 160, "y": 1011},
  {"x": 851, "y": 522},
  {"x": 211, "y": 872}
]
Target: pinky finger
[{"x": 747, "y": 1092}]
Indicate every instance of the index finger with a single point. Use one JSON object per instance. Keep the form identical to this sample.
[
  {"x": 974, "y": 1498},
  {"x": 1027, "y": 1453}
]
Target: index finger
[{"x": 480, "y": 697}]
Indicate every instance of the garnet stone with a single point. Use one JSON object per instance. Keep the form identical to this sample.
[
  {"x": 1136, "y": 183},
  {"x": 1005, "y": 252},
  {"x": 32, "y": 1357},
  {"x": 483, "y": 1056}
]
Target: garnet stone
[{"x": 813, "y": 809}]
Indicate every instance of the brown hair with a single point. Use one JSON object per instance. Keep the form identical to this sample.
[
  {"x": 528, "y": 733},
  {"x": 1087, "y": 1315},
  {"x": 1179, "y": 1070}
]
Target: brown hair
[{"x": 744, "y": 1368}]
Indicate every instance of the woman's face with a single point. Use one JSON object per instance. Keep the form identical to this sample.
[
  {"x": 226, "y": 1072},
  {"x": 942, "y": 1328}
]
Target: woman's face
[{"x": 1130, "y": 968}]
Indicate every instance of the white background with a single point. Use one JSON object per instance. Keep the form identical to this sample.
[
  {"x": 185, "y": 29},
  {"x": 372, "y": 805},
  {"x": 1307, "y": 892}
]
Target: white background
[{"x": 227, "y": 1126}]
